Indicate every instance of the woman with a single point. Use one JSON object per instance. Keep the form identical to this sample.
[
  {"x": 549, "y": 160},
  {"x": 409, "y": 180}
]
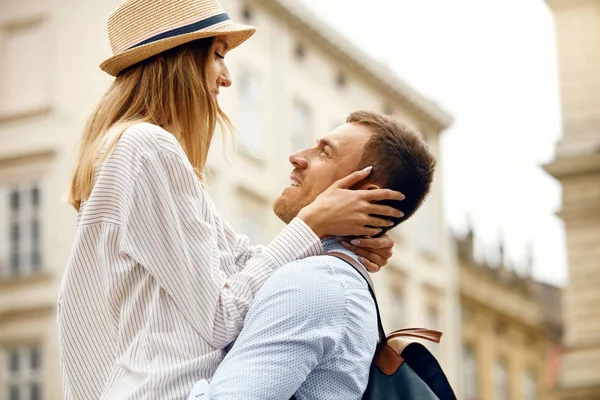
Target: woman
[{"x": 158, "y": 283}]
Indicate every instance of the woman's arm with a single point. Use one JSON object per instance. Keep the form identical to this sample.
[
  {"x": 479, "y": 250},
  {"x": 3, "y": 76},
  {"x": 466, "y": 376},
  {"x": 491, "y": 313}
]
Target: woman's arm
[
  {"x": 256, "y": 264},
  {"x": 171, "y": 230}
]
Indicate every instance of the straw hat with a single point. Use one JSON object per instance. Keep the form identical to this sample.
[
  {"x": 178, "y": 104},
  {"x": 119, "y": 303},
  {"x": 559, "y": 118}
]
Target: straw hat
[{"x": 139, "y": 29}]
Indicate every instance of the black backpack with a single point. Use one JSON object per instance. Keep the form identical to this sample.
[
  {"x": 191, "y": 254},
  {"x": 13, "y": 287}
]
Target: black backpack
[{"x": 403, "y": 369}]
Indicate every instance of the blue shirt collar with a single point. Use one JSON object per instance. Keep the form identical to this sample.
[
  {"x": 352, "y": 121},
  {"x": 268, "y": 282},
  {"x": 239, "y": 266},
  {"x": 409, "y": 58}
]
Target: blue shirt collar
[{"x": 331, "y": 244}]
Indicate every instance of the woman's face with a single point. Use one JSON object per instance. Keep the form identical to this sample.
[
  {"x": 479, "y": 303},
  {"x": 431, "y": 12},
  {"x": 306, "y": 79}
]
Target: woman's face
[{"x": 218, "y": 74}]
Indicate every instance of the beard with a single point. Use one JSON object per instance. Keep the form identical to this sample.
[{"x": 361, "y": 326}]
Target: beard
[{"x": 287, "y": 206}]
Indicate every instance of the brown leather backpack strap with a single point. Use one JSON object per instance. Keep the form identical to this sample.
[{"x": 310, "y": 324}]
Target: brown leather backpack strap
[
  {"x": 419, "y": 333},
  {"x": 363, "y": 272}
]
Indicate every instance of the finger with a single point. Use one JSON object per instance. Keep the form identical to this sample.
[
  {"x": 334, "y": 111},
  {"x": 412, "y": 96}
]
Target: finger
[
  {"x": 353, "y": 178},
  {"x": 369, "y": 266},
  {"x": 368, "y": 231},
  {"x": 384, "y": 211},
  {"x": 383, "y": 242},
  {"x": 372, "y": 256},
  {"x": 378, "y": 222},
  {"x": 381, "y": 194},
  {"x": 369, "y": 255}
]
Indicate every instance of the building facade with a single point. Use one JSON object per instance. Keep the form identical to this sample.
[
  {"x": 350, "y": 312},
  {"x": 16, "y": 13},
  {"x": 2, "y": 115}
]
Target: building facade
[
  {"x": 511, "y": 328},
  {"x": 577, "y": 167},
  {"x": 295, "y": 80}
]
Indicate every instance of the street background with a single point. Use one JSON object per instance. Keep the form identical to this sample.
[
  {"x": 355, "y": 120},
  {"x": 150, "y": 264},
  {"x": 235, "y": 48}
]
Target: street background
[{"x": 503, "y": 255}]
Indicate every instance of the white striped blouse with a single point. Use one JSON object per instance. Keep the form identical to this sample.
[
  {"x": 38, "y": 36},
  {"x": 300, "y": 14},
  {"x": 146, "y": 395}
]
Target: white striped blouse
[{"x": 157, "y": 283}]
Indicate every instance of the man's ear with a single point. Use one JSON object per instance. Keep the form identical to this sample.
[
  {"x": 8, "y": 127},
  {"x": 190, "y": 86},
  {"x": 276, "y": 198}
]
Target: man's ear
[{"x": 367, "y": 186}]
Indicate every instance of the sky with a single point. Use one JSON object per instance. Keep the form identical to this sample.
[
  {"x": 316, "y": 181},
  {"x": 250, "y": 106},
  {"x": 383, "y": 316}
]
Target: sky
[{"x": 491, "y": 64}]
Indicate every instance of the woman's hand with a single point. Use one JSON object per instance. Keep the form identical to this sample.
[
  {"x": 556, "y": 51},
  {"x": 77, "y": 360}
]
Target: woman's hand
[
  {"x": 339, "y": 211},
  {"x": 373, "y": 253}
]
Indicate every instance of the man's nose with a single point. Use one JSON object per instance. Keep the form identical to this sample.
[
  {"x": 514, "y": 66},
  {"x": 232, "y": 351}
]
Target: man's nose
[
  {"x": 225, "y": 77},
  {"x": 298, "y": 160}
]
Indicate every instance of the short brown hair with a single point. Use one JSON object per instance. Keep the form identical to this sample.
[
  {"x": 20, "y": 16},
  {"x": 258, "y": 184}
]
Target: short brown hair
[{"x": 401, "y": 160}]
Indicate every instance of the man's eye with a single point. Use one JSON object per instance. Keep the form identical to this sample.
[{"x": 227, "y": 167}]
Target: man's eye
[
  {"x": 323, "y": 151},
  {"x": 218, "y": 55}
]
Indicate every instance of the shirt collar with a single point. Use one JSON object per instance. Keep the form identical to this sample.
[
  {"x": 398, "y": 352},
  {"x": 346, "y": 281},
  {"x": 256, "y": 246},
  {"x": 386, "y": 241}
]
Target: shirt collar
[{"x": 331, "y": 244}]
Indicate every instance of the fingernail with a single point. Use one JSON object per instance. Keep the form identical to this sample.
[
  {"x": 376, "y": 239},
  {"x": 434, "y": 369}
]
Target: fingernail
[
  {"x": 390, "y": 223},
  {"x": 368, "y": 168},
  {"x": 362, "y": 260},
  {"x": 355, "y": 242}
]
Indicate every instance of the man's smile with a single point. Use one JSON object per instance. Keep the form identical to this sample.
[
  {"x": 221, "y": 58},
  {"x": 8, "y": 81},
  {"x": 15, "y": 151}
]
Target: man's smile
[{"x": 295, "y": 181}]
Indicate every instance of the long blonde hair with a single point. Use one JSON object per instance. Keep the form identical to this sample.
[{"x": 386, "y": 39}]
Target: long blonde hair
[{"x": 169, "y": 90}]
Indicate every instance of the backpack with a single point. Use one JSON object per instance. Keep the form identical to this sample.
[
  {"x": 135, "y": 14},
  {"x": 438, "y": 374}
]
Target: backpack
[{"x": 401, "y": 368}]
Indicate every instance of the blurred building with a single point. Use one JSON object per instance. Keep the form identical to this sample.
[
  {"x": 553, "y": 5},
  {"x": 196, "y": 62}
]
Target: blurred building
[
  {"x": 577, "y": 167},
  {"x": 511, "y": 329},
  {"x": 295, "y": 80}
]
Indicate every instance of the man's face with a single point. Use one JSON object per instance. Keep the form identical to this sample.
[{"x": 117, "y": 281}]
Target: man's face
[{"x": 335, "y": 156}]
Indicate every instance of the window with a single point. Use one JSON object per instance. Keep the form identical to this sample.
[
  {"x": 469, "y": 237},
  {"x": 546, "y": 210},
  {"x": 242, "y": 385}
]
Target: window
[
  {"x": 299, "y": 51},
  {"x": 21, "y": 254},
  {"x": 427, "y": 226},
  {"x": 340, "y": 80},
  {"x": 252, "y": 216},
  {"x": 251, "y": 226},
  {"x": 529, "y": 386},
  {"x": 398, "y": 309},
  {"x": 24, "y": 73},
  {"x": 500, "y": 328},
  {"x": 246, "y": 14},
  {"x": 250, "y": 113},
  {"x": 433, "y": 322},
  {"x": 500, "y": 380},
  {"x": 301, "y": 127},
  {"x": 470, "y": 373},
  {"x": 388, "y": 109},
  {"x": 433, "y": 319},
  {"x": 465, "y": 313},
  {"x": 23, "y": 374}
]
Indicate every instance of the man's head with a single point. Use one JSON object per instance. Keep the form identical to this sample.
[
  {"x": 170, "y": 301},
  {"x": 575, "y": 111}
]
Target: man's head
[{"x": 400, "y": 158}]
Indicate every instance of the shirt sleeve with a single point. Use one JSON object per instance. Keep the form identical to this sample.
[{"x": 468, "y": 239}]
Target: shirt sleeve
[
  {"x": 171, "y": 229},
  {"x": 294, "y": 324}
]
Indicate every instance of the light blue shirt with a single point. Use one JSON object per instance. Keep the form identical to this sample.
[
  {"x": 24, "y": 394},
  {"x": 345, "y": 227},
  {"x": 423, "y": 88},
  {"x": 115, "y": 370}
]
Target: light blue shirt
[{"x": 310, "y": 332}]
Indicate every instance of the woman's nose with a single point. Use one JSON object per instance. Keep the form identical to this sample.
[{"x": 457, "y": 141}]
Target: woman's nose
[{"x": 225, "y": 78}]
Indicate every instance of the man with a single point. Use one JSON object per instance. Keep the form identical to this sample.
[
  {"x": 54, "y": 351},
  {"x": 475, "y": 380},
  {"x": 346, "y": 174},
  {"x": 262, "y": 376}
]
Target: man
[{"x": 311, "y": 331}]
